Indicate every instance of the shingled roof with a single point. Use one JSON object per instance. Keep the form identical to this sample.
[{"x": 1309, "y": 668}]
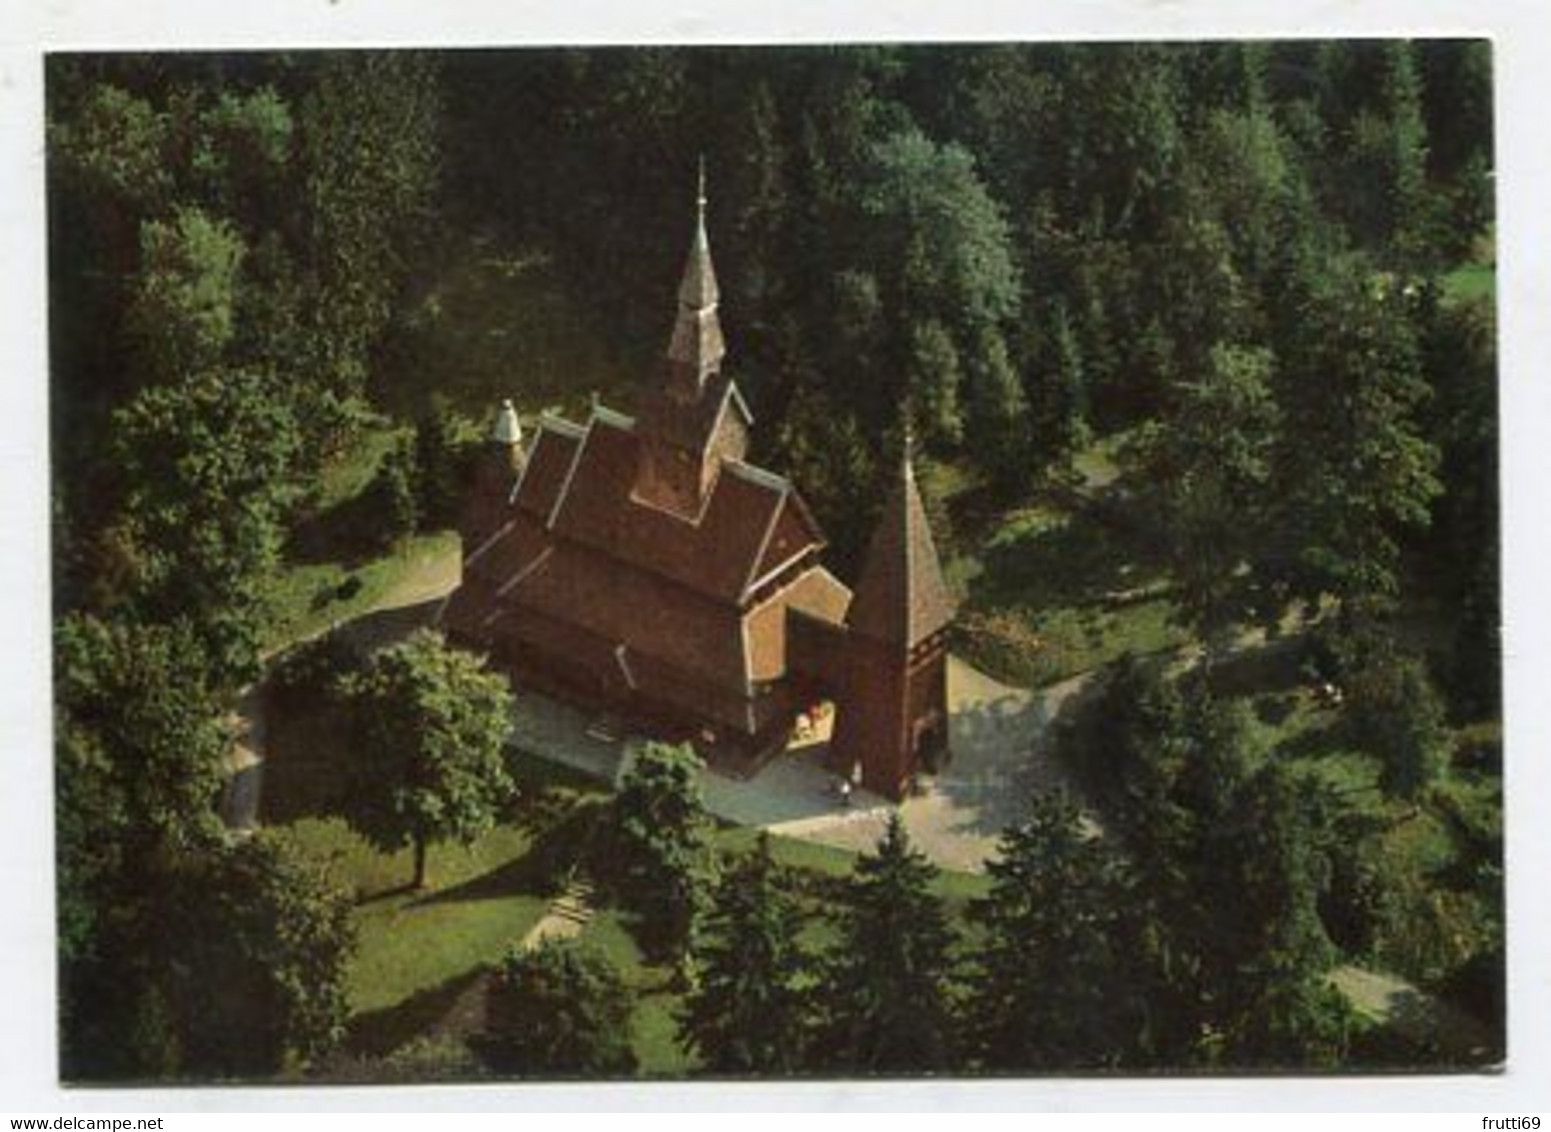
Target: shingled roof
[
  {"x": 697, "y": 344},
  {"x": 901, "y": 597},
  {"x": 580, "y": 485}
]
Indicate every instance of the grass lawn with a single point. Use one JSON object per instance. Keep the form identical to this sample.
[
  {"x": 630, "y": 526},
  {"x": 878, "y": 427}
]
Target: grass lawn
[
  {"x": 306, "y": 598},
  {"x": 1053, "y": 592},
  {"x": 333, "y": 569},
  {"x": 1470, "y": 282},
  {"x": 478, "y": 903}
]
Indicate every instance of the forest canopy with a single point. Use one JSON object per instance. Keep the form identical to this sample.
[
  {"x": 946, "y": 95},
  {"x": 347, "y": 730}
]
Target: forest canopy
[{"x": 1249, "y": 272}]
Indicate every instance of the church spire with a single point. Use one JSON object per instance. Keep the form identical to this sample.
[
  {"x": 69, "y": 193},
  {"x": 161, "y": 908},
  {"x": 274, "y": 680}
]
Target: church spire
[
  {"x": 901, "y": 597},
  {"x": 697, "y": 347}
]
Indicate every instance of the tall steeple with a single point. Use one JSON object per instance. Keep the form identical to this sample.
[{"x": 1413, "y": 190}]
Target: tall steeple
[
  {"x": 901, "y": 598},
  {"x": 695, "y": 352}
]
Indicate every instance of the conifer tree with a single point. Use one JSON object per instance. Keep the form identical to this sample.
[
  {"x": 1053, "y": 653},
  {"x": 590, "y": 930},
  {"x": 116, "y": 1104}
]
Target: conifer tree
[
  {"x": 558, "y": 1010},
  {"x": 1052, "y": 985},
  {"x": 748, "y": 1011},
  {"x": 884, "y": 997}
]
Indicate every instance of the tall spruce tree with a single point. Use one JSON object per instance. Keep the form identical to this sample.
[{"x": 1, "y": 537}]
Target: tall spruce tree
[
  {"x": 1353, "y": 471},
  {"x": 884, "y": 999},
  {"x": 1208, "y": 468},
  {"x": 1052, "y": 984},
  {"x": 747, "y": 1013}
]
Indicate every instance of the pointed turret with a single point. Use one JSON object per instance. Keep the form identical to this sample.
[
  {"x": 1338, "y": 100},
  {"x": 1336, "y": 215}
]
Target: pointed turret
[
  {"x": 508, "y": 429},
  {"x": 496, "y": 471},
  {"x": 695, "y": 352},
  {"x": 901, "y": 598}
]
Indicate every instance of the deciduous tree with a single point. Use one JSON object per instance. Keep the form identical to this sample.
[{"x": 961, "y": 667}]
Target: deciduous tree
[
  {"x": 431, "y": 766},
  {"x": 659, "y": 835}
]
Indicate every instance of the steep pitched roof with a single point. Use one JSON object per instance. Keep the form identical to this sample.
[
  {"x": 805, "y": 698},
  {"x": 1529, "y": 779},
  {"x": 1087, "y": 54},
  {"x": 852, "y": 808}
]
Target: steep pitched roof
[
  {"x": 697, "y": 343},
  {"x": 901, "y": 597},
  {"x": 715, "y": 555},
  {"x": 691, "y": 424}
]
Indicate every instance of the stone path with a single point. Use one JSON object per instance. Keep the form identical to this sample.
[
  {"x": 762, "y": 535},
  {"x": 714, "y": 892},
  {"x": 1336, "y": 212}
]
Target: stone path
[
  {"x": 568, "y": 914},
  {"x": 245, "y": 762}
]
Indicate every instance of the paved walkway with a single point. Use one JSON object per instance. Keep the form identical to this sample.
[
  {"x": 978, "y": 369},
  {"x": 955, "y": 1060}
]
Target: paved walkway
[
  {"x": 998, "y": 762},
  {"x": 244, "y": 762}
]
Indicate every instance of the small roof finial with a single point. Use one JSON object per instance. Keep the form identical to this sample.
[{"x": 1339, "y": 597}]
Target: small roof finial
[
  {"x": 508, "y": 428},
  {"x": 701, "y": 241}
]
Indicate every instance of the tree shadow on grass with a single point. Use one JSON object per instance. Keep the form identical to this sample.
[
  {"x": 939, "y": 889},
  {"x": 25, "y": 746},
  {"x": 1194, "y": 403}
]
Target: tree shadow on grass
[
  {"x": 448, "y": 1005},
  {"x": 349, "y": 533},
  {"x": 1074, "y": 561},
  {"x": 309, "y": 751},
  {"x": 383, "y": 627},
  {"x": 307, "y": 763},
  {"x": 558, "y": 847}
]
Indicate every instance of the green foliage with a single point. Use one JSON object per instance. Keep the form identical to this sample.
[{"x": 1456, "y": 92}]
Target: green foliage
[
  {"x": 1354, "y": 471},
  {"x": 659, "y": 832},
  {"x": 884, "y": 993},
  {"x": 827, "y": 451},
  {"x": 367, "y": 138},
  {"x": 243, "y": 152},
  {"x": 207, "y": 464},
  {"x": 399, "y": 491},
  {"x": 113, "y": 142},
  {"x": 1011, "y": 244},
  {"x": 947, "y": 281},
  {"x": 432, "y": 726},
  {"x": 442, "y": 457},
  {"x": 257, "y": 942},
  {"x": 181, "y": 314},
  {"x": 558, "y": 1010},
  {"x": 1394, "y": 711},
  {"x": 1053, "y": 984},
  {"x": 138, "y": 767},
  {"x": 1231, "y": 861},
  {"x": 1207, "y": 472},
  {"x": 747, "y": 1013},
  {"x": 1060, "y": 398}
]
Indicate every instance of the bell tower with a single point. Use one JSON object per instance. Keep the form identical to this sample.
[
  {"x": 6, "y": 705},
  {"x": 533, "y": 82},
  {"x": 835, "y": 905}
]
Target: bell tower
[{"x": 893, "y": 719}]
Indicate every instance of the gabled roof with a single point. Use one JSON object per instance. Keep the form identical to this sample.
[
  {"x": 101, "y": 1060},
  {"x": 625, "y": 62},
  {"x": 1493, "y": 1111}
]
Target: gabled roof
[
  {"x": 554, "y": 449},
  {"x": 692, "y": 424},
  {"x": 821, "y": 596},
  {"x": 901, "y": 597},
  {"x": 592, "y": 503}
]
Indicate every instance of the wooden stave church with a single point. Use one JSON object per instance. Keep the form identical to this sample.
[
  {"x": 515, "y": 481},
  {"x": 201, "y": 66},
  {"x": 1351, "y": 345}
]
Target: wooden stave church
[{"x": 641, "y": 566}]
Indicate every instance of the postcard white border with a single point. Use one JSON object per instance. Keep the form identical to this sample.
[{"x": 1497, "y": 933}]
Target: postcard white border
[{"x": 1522, "y": 35}]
